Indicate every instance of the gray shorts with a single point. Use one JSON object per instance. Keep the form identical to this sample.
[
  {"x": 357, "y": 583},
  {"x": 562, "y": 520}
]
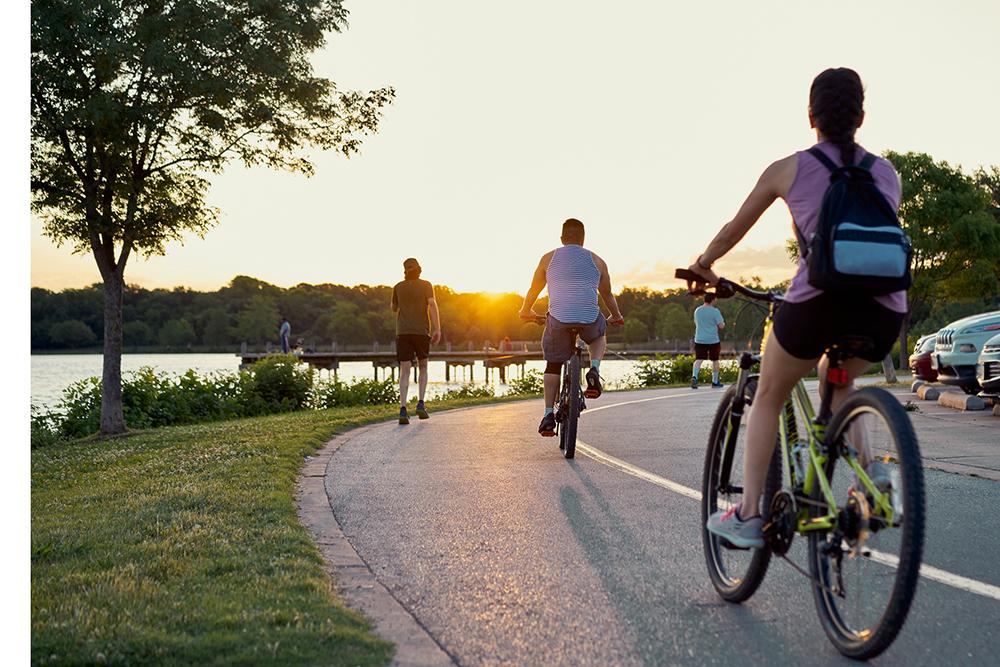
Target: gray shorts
[{"x": 558, "y": 337}]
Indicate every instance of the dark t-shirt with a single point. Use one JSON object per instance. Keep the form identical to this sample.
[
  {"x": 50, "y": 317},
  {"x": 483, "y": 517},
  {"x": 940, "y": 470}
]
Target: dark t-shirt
[{"x": 409, "y": 299}]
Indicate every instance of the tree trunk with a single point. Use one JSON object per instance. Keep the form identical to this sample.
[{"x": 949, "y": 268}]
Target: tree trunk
[
  {"x": 904, "y": 354},
  {"x": 112, "y": 420}
]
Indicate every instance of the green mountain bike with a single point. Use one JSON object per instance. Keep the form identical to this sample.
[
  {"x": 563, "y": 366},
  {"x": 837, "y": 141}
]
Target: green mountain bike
[{"x": 864, "y": 536}]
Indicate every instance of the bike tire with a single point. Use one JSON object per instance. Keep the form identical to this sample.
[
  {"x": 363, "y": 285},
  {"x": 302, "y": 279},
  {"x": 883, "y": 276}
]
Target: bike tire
[
  {"x": 873, "y": 641},
  {"x": 732, "y": 587},
  {"x": 573, "y": 407}
]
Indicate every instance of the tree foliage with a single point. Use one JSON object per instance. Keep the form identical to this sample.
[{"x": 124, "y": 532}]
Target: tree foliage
[
  {"x": 134, "y": 103},
  {"x": 951, "y": 218}
]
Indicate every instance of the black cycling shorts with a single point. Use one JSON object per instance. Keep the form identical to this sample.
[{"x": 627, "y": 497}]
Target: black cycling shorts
[
  {"x": 808, "y": 328},
  {"x": 409, "y": 346}
]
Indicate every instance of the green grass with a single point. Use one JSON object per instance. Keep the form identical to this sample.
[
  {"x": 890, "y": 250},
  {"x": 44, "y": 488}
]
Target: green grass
[{"x": 182, "y": 545}]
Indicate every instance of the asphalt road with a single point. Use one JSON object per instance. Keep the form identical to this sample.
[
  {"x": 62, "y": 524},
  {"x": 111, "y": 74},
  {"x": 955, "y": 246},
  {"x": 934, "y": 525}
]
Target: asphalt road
[{"x": 508, "y": 554}]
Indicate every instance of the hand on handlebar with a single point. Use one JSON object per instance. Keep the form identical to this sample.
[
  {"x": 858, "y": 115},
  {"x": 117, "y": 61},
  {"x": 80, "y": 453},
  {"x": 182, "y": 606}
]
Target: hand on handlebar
[
  {"x": 531, "y": 316},
  {"x": 702, "y": 278}
]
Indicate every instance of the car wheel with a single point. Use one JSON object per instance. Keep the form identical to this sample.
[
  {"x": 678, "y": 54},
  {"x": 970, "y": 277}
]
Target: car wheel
[{"x": 971, "y": 388}]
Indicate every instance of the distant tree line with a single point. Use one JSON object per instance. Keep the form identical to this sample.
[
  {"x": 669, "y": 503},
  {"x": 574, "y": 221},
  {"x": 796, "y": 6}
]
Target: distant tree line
[{"x": 249, "y": 310}]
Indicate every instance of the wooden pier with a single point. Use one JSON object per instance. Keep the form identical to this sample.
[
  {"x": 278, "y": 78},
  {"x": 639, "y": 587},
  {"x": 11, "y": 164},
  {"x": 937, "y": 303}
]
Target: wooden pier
[{"x": 501, "y": 361}]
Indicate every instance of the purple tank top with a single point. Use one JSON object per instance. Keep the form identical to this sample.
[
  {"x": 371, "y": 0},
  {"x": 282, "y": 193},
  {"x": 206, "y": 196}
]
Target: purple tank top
[{"x": 805, "y": 198}]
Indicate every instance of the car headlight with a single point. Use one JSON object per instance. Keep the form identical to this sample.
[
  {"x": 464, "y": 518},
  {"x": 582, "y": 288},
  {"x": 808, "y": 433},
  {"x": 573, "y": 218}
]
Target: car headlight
[
  {"x": 966, "y": 347},
  {"x": 981, "y": 328},
  {"x": 990, "y": 349}
]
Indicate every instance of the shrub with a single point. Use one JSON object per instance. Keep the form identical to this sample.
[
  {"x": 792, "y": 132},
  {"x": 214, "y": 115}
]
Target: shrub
[
  {"x": 44, "y": 427},
  {"x": 661, "y": 370},
  {"x": 282, "y": 382},
  {"x": 468, "y": 391},
  {"x": 363, "y": 392},
  {"x": 531, "y": 383}
]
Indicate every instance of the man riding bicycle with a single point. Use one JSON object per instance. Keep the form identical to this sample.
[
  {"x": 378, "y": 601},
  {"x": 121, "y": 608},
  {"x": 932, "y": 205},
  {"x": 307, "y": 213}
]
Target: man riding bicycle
[{"x": 574, "y": 277}]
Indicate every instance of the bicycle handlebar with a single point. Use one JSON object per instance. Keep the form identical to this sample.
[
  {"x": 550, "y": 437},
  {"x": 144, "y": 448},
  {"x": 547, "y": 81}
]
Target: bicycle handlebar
[{"x": 725, "y": 288}]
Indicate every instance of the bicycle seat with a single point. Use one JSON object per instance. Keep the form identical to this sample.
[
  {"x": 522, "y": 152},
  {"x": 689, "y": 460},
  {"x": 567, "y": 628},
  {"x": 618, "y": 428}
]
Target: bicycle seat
[{"x": 853, "y": 346}]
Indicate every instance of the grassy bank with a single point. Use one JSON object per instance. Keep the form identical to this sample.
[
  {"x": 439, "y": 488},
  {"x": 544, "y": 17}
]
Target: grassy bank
[{"x": 181, "y": 545}]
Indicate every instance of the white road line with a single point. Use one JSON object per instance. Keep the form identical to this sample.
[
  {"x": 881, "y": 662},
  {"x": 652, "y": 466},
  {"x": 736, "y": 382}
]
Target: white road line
[
  {"x": 641, "y": 400},
  {"x": 926, "y": 571}
]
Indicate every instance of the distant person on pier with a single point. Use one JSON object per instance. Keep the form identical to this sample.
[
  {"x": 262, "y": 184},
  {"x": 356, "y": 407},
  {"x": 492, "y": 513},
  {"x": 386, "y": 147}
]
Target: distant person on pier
[
  {"x": 284, "y": 335},
  {"x": 412, "y": 299},
  {"x": 708, "y": 322},
  {"x": 574, "y": 277}
]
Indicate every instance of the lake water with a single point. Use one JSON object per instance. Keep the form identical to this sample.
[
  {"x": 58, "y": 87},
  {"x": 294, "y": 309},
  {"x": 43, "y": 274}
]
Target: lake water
[{"x": 51, "y": 373}]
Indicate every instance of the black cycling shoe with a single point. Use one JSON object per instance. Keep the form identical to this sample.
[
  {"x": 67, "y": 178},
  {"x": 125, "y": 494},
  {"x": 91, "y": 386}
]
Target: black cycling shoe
[
  {"x": 593, "y": 384},
  {"x": 547, "y": 427},
  {"x": 403, "y": 417},
  {"x": 422, "y": 411}
]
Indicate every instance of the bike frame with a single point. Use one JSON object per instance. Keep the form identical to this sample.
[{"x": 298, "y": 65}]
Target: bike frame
[
  {"x": 563, "y": 397},
  {"x": 818, "y": 451}
]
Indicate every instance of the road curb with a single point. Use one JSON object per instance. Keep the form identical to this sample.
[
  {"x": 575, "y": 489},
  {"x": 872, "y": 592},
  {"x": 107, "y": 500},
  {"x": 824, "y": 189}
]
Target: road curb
[
  {"x": 928, "y": 393},
  {"x": 351, "y": 576},
  {"x": 952, "y": 399}
]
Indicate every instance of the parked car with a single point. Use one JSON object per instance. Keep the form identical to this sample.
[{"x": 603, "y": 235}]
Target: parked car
[
  {"x": 957, "y": 348},
  {"x": 920, "y": 360},
  {"x": 988, "y": 369}
]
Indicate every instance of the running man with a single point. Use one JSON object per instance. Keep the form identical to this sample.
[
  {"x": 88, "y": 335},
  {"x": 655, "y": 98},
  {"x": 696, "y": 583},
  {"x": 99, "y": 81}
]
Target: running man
[
  {"x": 708, "y": 322},
  {"x": 412, "y": 298},
  {"x": 574, "y": 277}
]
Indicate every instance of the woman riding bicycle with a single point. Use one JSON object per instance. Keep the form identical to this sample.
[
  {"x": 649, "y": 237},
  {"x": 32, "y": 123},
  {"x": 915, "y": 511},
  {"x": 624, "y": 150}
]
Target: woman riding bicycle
[{"x": 810, "y": 319}]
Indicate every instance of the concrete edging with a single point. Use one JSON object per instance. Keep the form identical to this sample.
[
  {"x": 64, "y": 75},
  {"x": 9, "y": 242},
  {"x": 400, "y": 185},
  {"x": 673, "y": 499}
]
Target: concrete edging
[
  {"x": 351, "y": 576},
  {"x": 928, "y": 393},
  {"x": 953, "y": 399}
]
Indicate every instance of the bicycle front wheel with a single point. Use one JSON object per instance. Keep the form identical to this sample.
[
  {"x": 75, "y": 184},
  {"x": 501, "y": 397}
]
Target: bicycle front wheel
[
  {"x": 866, "y": 569},
  {"x": 735, "y": 573},
  {"x": 573, "y": 405}
]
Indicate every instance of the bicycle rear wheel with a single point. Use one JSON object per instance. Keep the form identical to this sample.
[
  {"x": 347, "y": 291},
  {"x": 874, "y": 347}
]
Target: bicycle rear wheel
[
  {"x": 735, "y": 573},
  {"x": 573, "y": 405},
  {"x": 866, "y": 568}
]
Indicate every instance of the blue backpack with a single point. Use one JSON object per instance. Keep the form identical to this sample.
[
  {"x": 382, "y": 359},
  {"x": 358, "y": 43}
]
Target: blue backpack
[{"x": 859, "y": 245}]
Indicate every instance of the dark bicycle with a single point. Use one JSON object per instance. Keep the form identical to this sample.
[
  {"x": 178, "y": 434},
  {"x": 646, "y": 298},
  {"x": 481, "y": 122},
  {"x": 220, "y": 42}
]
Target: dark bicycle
[
  {"x": 567, "y": 410},
  {"x": 865, "y": 532}
]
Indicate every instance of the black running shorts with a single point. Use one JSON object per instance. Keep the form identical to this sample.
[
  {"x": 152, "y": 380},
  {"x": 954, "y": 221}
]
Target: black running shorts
[
  {"x": 707, "y": 351},
  {"x": 409, "y": 346},
  {"x": 808, "y": 328}
]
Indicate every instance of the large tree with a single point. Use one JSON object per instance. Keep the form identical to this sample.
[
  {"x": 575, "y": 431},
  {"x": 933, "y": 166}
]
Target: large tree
[
  {"x": 134, "y": 103},
  {"x": 952, "y": 219}
]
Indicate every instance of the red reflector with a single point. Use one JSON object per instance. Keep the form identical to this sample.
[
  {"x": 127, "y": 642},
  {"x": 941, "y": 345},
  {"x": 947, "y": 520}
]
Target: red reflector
[
  {"x": 992, "y": 327},
  {"x": 836, "y": 376}
]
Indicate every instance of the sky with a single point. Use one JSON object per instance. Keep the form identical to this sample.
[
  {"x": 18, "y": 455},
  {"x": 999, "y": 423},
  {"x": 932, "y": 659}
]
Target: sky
[{"x": 650, "y": 122}]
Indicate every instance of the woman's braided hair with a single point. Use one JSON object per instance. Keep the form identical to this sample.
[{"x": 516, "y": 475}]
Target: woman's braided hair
[{"x": 836, "y": 100}]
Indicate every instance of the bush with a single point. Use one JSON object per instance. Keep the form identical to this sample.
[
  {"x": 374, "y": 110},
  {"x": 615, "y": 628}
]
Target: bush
[
  {"x": 662, "y": 370},
  {"x": 44, "y": 428},
  {"x": 282, "y": 382},
  {"x": 363, "y": 392},
  {"x": 531, "y": 383},
  {"x": 468, "y": 391}
]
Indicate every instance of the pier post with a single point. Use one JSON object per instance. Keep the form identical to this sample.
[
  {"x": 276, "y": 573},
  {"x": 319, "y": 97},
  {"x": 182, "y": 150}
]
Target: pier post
[{"x": 447, "y": 371}]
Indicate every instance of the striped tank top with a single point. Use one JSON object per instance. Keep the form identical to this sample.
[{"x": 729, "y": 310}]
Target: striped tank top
[{"x": 572, "y": 277}]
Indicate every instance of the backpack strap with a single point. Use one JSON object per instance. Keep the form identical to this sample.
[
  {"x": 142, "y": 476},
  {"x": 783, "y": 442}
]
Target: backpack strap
[
  {"x": 823, "y": 159},
  {"x": 867, "y": 162}
]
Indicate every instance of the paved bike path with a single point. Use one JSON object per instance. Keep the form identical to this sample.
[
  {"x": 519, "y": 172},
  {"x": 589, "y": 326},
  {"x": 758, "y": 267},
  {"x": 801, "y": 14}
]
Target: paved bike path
[{"x": 509, "y": 554}]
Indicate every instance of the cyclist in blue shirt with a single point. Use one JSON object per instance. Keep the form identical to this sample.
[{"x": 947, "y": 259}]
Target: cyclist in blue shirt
[{"x": 708, "y": 322}]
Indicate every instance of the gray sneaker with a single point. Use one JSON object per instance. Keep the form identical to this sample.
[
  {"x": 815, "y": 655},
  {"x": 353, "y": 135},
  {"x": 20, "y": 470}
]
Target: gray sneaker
[{"x": 743, "y": 534}]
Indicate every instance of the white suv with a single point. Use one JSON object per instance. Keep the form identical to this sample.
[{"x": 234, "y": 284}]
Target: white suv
[
  {"x": 988, "y": 370},
  {"x": 956, "y": 351}
]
